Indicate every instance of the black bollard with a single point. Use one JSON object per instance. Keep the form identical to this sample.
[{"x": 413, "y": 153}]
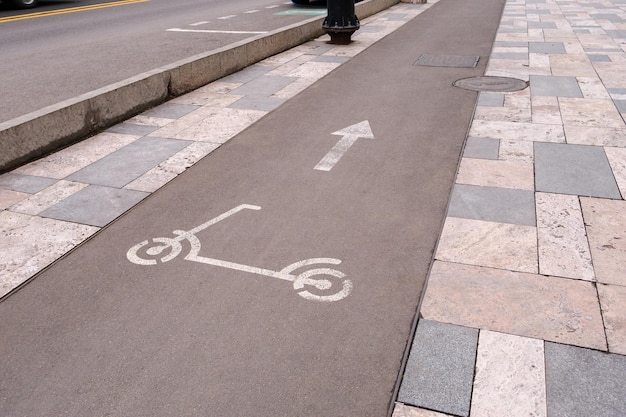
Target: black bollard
[{"x": 341, "y": 21}]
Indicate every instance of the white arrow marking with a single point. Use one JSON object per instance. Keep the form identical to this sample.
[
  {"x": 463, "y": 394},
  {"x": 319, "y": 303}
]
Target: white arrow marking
[{"x": 350, "y": 135}]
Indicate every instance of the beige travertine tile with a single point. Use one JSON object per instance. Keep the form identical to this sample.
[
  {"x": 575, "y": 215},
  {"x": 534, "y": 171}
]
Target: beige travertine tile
[
  {"x": 518, "y": 131},
  {"x": 402, "y": 410},
  {"x": 149, "y": 121},
  {"x": 571, "y": 65},
  {"x": 207, "y": 98},
  {"x": 220, "y": 125},
  {"x": 613, "y": 302},
  {"x": 597, "y": 136},
  {"x": 617, "y": 160},
  {"x": 563, "y": 247},
  {"x": 550, "y": 308},
  {"x": 28, "y": 244},
  {"x": 10, "y": 197},
  {"x": 606, "y": 228},
  {"x": 516, "y": 150},
  {"x": 48, "y": 197},
  {"x": 210, "y": 124},
  {"x": 491, "y": 244},
  {"x": 510, "y": 377},
  {"x": 590, "y": 112},
  {"x": 546, "y": 110},
  {"x": 514, "y": 174},
  {"x": 502, "y": 114},
  {"x": 69, "y": 160},
  {"x": 592, "y": 87}
]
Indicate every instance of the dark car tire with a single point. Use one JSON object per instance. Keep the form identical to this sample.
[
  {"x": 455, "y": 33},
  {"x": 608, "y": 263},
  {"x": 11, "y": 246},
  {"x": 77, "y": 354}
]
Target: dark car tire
[{"x": 23, "y": 4}]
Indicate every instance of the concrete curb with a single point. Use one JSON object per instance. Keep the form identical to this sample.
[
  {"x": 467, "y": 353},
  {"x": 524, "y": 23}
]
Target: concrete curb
[{"x": 33, "y": 135}]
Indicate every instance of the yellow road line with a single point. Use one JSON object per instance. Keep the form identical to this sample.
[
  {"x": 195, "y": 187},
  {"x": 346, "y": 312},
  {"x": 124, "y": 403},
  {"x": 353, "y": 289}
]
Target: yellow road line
[{"x": 70, "y": 10}]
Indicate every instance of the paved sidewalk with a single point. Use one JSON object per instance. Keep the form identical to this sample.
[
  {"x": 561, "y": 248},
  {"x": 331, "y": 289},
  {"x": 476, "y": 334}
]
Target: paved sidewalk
[{"x": 527, "y": 292}]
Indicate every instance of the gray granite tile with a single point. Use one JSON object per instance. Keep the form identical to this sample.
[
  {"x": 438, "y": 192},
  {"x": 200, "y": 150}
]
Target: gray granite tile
[
  {"x": 599, "y": 58},
  {"x": 574, "y": 169},
  {"x": 483, "y": 148},
  {"x": 545, "y": 85},
  {"x": 584, "y": 383},
  {"x": 129, "y": 162},
  {"x": 24, "y": 183},
  {"x": 521, "y": 56},
  {"x": 511, "y": 44},
  {"x": 440, "y": 368},
  {"x": 132, "y": 129},
  {"x": 254, "y": 102},
  {"x": 607, "y": 16},
  {"x": 546, "y": 47},
  {"x": 617, "y": 34},
  {"x": 94, "y": 205},
  {"x": 541, "y": 25},
  {"x": 247, "y": 74},
  {"x": 264, "y": 86},
  {"x": 491, "y": 99},
  {"x": 616, "y": 90},
  {"x": 171, "y": 110},
  {"x": 621, "y": 105},
  {"x": 331, "y": 58},
  {"x": 493, "y": 204}
]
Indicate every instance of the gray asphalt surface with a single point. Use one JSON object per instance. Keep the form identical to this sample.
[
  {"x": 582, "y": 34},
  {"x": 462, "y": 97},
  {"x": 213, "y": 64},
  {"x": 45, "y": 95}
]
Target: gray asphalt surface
[
  {"x": 53, "y": 58},
  {"x": 98, "y": 335}
]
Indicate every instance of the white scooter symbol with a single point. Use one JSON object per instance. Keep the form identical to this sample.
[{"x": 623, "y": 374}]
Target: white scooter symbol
[{"x": 168, "y": 248}]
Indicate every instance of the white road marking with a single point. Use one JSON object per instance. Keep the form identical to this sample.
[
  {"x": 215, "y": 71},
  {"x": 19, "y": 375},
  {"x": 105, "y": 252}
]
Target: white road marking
[
  {"x": 168, "y": 248},
  {"x": 229, "y": 32},
  {"x": 349, "y": 135},
  {"x": 199, "y": 23},
  {"x": 230, "y": 16},
  {"x": 252, "y": 11}
]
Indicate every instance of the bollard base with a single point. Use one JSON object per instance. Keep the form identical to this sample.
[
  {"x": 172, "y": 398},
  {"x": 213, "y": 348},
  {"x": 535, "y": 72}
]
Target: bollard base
[{"x": 340, "y": 38}]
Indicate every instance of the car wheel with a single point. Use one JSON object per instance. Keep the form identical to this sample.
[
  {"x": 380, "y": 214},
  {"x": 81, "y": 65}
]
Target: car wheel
[{"x": 23, "y": 4}]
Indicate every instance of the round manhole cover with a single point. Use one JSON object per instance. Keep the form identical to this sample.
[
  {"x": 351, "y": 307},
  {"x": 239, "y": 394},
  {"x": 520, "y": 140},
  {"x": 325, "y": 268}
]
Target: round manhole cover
[{"x": 495, "y": 84}]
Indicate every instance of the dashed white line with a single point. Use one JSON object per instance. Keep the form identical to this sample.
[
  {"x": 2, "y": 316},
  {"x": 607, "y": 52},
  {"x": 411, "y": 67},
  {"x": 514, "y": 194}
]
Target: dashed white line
[
  {"x": 227, "y": 17},
  {"x": 199, "y": 23},
  {"x": 230, "y": 32},
  {"x": 252, "y": 11}
]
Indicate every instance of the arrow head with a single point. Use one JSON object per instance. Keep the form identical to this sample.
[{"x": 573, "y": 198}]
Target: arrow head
[{"x": 359, "y": 130}]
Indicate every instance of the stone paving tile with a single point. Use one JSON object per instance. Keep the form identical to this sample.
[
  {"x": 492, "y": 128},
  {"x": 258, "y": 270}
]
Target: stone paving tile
[
  {"x": 583, "y": 383},
  {"x": 554, "y": 86},
  {"x": 128, "y": 163},
  {"x": 529, "y": 305},
  {"x": 513, "y": 150},
  {"x": 598, "y": 136},
  {"x": 505, "y": 174},
  {"x": 264, "y": 86},
  {"x": 590, "y": 112},
  {"x": 617, "y": 160},
  {"x": 69, "y": 160},
  {"x": 94, "y": 205},
  {"x": 546, "y": 110},
  {"x": 24, "y": 183},
  {"x": 127, "y": 128},
  {"x": 574, "y": 169},
  {"x": 10, "y": 197},
  {"x": 167, "y": 170},
  {"x": 490, "y": 244},
  {"x": 605, "y": 221},
  {"x": 402, "y": 410},
  {"x": 440, "y": 368},
  {"x": 510, "y": 376},
  {"x": 562, "y": 238},
  {"x": 493, "y": 204},
  {"x": 170, "y": 110},
  {"x": 48, "y": 197},
  {"x": 613, "y": 303},
  {"x": 517, "y": 131},
  {"x": 482, "y": 148},
  {"x": 28, "y": 244},
  {"x": 262, "y": 103}
]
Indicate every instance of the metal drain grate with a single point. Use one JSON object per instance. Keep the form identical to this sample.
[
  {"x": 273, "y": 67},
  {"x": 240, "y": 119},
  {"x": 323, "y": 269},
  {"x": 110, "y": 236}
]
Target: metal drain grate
[
  {"x": 494, "y": 84},
  {"x": 451, "y": 61}
]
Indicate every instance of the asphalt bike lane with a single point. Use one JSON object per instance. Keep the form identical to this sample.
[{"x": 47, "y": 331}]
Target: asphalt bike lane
[{"x": 280, "y": 275}]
